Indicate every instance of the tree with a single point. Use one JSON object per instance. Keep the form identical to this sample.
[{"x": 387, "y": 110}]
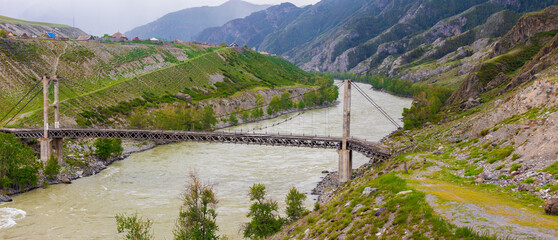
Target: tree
[
  {"x": 3, "y": 33},
  {"x": 294, "y": 201},
  {"x": 208, "y": 118},
  {"x": 19, "y": 166},
  {"x": 52, "y": 168},
  {"x": 265, "y": 220},
  {"x": 233, "y": 120},
  {"x": 136, "y": 228},
  {"x": 223, "y": 45},
  {"x": 197, "y": 215},
  {"x": 105, "y": 147}
]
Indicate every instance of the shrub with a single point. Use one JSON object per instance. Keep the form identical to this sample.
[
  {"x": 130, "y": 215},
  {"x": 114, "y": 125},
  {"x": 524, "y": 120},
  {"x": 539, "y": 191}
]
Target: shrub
[
  {"x": 105, "y": 148},
  {"x": 19, "y": 167},
  {"x": 263, "y": 213},
  {"x": 197, "y": 215},
  {"x": 136, "y": 228},
  {"x": 514, "y": 167},
  {"x": 294, "y": 202},
  {"x": 51, "y": 168}
]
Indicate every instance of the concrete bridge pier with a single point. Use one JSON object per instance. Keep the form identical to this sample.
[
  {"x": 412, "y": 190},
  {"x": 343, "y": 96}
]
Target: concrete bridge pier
[
  {"x": 346, "y": 155},
  {"x": 51, "y": 146}
]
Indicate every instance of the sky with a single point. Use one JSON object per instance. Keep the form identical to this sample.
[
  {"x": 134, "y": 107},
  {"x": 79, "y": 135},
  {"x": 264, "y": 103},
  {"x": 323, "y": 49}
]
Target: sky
[{"x": 108, "y": 16}]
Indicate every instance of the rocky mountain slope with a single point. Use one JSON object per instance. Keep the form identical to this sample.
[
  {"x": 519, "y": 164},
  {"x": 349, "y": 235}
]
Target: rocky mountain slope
[
  {"x": 387, "y": 37},
  {"x": 186, "y": 23},
  {"x": 252, "y": 30},
  {"x": 19, "y": 27},
  {"x": 489, "y": 169}
]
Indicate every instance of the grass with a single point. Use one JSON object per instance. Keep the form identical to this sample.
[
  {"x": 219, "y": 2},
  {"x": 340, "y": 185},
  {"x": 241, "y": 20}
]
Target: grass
[
  {"x": 552, "y": 169},
  {"x": 4, "y": 19}
]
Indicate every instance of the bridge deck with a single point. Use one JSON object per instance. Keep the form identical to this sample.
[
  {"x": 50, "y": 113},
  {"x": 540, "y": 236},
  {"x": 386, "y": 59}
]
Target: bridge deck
[{"x": 369, "y": 149}]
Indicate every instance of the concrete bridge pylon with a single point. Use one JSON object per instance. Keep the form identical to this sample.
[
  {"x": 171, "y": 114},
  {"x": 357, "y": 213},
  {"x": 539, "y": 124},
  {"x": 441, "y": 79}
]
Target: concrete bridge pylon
[
  {"x": 346, "y": 155},
  {"x": 50, "y": 146}
]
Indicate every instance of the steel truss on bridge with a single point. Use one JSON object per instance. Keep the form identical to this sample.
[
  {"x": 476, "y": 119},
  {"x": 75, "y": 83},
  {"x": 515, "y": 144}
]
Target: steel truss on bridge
[{"x": 368, "y": 149}]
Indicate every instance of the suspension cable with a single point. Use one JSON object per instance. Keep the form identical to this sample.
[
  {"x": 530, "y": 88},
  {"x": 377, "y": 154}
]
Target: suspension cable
[
  {"x": 27, "y": 94},
  {"x": 384, "y": 113},
  {"x": 24, "y": 106}
]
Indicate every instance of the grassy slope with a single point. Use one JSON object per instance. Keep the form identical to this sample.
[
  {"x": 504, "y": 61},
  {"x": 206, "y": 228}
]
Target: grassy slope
[
  {"x": 244, "y": 70},
  {"x": 4, "y": 19}
]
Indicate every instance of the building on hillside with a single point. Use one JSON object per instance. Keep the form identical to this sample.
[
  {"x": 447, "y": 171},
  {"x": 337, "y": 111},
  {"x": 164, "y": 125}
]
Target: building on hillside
[
  {"x": 137, "y": 39},
  {"x": 204, "y": 43},
  {"x": 62, "y": 38},
  {"x": 154, "y": 39},
  {"x": 11, "y": 35},
  {"x": 119, "y": 36},
  {"x": 178, "y": 41},
  {"x": 85, "y": 38},
  {"x": 233, "y": 45},
  {"x": 48, "y": 35},
  {"x": 265, "y": 53},
  {"x": 24, "y": 35}
]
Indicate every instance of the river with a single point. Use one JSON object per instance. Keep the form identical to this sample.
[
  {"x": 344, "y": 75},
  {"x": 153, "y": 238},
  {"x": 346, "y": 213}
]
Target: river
[{"x": 151, "y": 182}]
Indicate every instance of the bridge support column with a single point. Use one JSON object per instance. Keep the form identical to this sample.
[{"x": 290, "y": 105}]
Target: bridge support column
[
  {"x": 346, "y": 155},
  {"x": 345, "y": 165},
  {"x": 45, "y": 146}
]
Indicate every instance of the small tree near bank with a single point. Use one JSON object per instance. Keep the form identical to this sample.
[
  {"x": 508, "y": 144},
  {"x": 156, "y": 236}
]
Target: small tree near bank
[
  {"x": 105, "y": 147},
  {"x": 263, "y": 213},
  {"x": 52, "y": 168},
  {"x": 3, "y": 33},
  {"x": 294, "y": 202},
  {"x": 197, "y": 219},
  {"x": 135, "y": 228},
  {"x": 19, "y": 167}
]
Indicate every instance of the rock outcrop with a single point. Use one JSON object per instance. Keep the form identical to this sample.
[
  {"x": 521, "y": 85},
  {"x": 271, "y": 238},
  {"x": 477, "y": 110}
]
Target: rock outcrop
[{"x": 551, "y": 206}]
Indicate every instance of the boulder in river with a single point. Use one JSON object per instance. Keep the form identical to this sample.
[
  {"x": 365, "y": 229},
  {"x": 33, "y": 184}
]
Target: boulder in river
[
  {"x": 551, "y": 206},
  {"x": 5, "y": 198}
]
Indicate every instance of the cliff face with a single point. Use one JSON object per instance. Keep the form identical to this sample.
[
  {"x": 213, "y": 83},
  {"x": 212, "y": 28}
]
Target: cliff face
[
  {"x": 533, "y": 23},
  {"x": 529, "y": 48},
  {"x": 253, "y": 29}
]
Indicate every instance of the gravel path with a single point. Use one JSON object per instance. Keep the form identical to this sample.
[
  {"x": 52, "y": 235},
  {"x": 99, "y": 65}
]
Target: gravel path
[{"x": 483, "y": 211}]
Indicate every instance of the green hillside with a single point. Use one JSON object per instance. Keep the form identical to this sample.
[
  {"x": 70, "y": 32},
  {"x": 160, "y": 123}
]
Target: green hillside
[{"x": 4, "y": 19}]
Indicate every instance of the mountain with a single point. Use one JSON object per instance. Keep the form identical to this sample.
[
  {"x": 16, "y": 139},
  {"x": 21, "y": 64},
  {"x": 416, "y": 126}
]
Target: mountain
[
  {"x": 253, "y": 29},
  {"x": 186, "y": 23},
  {"x": 377, "y": 36},
  {"x": 19, "y": 27}
]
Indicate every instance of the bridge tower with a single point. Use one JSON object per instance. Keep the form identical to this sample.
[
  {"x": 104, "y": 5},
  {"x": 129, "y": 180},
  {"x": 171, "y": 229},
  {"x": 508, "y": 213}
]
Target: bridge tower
[
  {"x": 55, "y": 145},
  {"x": 346, "y": 155}
]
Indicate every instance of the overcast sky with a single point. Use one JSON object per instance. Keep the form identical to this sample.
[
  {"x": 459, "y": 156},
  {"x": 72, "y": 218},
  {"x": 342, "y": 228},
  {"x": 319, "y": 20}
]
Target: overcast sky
[{"x": 108, "y": 16}]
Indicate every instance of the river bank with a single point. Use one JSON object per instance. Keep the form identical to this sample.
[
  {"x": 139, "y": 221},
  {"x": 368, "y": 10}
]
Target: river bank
[{"x": 151, "y": 182}]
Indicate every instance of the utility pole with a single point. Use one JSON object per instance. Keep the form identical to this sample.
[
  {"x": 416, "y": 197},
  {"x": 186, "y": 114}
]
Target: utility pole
[{"x": 346, "y": 155}]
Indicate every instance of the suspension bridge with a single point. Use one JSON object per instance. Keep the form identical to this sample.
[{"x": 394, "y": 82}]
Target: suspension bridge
[{"x": 51, "y": 139}]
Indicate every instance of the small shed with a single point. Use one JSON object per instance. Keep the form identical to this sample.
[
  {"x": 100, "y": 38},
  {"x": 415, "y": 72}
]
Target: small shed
[
  {"x": 233, "y": 45},
  {"x": 24, "y": 35},
  {"x": 153, "y": 39},
  {"x": 85, "y": 38},
  {"x": 136, "y": 39},
  {"x": 50, "y": 35}
]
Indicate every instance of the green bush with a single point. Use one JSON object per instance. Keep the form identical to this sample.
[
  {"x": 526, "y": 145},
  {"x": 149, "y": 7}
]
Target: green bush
[
  {"x": 295, "y": 210},
  {"x": 105, "y": 148},
  {"x": 135, "y": 228},
  {"x": 514, "y": 167},
  {"x": 51, "y": 168},
  {"x": 19, "y": 167},
  {"x": 263, "y": 213}
]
